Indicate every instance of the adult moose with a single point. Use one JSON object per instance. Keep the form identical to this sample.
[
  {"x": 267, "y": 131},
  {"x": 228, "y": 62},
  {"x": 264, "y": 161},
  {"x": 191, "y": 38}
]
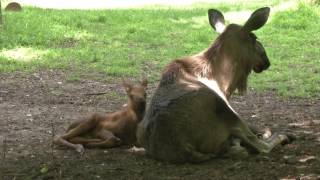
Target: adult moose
[{"x": 189, "y": 118}]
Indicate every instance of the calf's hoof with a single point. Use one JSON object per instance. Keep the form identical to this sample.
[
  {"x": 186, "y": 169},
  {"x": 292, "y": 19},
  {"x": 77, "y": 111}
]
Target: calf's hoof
[{"x": 79, "y": 148}]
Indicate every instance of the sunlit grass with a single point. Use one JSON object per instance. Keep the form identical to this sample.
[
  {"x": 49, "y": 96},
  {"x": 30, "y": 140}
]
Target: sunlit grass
[
  {"x": 23, "y": 54},
  {"x": 135, "y": 42},
  {"x": 292, "y": 40}
]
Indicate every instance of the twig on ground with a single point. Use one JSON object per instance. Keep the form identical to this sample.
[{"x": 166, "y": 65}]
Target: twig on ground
[
  {"x": 57, "y": 171},
  {"x": 52, "y": 137},
  {"x": 14, "y": 174},
  {"x": 95, "y": 94},
  {"x": 4, "y": 151}
]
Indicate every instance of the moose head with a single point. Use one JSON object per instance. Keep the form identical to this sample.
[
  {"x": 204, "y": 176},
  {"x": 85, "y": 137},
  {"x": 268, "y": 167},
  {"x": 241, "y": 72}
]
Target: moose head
[
  {"x": 240, "y": 46},
  {"x": 243, "y": 37}
]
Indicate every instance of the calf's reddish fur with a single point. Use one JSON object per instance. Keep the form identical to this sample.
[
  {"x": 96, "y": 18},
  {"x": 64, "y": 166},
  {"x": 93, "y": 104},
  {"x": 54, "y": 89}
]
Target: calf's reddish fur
[{"x": 108, "y": 130}]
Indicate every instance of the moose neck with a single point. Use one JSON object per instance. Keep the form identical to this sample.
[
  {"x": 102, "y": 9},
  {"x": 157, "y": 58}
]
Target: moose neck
[
  {"x": 224, "y": 70},
  {"x": 138, "y": 108}
]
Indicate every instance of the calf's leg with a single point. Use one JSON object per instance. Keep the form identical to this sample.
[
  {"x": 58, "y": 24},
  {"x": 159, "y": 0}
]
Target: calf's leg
[
  {"x": 79, "y": 129},
  {"x": 108, "y": 140}
]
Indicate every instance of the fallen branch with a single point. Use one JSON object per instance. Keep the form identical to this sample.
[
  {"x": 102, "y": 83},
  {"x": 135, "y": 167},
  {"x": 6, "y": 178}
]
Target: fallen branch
[
  {"x": 95, "y": 94},
  {"x": 14, "y": 174}
]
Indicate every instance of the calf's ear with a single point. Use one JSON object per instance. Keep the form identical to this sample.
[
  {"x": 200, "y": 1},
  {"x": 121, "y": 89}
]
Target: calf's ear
[
  {"x": 216, "y": 20},
  {"x": 126, "y": 86},
  {"x": 257, "y": 19}
]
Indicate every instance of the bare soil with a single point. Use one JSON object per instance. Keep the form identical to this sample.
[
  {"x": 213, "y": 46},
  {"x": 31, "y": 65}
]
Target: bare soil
[{"x": 35, "y": 107}]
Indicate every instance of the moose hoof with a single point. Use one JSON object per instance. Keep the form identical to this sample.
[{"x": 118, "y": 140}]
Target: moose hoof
[
  {"x": 282, "y": 139},
  {"x": 289, "y": 138},
  {"x": 117, "y": 141},
  {"x": 79, "y": 148}
]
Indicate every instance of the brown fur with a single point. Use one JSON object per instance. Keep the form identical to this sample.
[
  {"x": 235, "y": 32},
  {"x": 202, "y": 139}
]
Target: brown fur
[
  {"x": 217, "y": 62},
  {"x": 108, "y": 130},
  {"x": 13, "y": 6}
]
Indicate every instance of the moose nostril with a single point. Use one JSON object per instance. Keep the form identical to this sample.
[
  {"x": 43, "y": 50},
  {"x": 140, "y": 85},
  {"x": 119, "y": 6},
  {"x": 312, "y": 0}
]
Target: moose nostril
[{"x": 267, "y": 65}]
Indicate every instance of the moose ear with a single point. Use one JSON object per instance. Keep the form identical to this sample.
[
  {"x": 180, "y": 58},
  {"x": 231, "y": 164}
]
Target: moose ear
[
  {"x": 126, "y": 86},
  {"x": 216, "y": 20},
  {"x": 144, "y": 83},
  {"x": 257, "y": 19}
]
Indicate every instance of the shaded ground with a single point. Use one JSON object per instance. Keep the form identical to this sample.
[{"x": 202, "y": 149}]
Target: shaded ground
[{"x": 35, "y": 107}]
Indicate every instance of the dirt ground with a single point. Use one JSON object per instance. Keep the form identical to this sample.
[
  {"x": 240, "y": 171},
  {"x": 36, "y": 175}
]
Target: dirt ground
[{"x": 35, "y": 107}]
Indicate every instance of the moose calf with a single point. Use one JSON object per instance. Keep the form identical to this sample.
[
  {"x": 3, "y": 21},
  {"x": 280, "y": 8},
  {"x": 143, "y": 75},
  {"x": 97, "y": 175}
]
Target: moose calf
[{"x": 108, "y": 130}]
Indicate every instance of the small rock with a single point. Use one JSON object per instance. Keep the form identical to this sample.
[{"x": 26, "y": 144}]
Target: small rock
[
  {"x": 44, "y": 169},
  {"x": 316, "y": 122},
  {"x": 307, "y": 159}
]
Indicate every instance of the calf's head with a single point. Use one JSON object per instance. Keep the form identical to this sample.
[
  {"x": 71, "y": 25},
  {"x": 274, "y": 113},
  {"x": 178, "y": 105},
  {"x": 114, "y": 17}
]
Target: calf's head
[
  {"x": 238, "y": 43},
  {"x": 137, "y": 94}
]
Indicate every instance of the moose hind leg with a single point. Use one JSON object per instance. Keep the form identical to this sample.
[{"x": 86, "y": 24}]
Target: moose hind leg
[
  {"x": 251, "y": 141},
  {"x": 195, "y": 156},
  {"x": 235, "y": 150},
  {"x": 108, "y": 140},
  {"x": 78, "y": 129},
  {"x": 84, "y": 140},
  {"x": 77, "y": 147}
]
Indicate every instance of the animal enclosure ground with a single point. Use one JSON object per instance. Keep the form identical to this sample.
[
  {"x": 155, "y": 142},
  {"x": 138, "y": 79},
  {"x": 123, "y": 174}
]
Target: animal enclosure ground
[{"x": 34, "y": 107}]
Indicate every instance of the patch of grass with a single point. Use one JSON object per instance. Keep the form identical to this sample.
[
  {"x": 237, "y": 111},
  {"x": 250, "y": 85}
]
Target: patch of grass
[
  {"x": 292, "y": 40},
  {"x": 74, "y": 78},
  {"x": 140, "y": 42}
]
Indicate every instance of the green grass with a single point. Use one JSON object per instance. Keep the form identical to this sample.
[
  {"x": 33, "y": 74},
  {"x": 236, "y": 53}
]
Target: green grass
[
  {"x": 292, "y": 40},
  {"x": 135, "y": 42}
]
